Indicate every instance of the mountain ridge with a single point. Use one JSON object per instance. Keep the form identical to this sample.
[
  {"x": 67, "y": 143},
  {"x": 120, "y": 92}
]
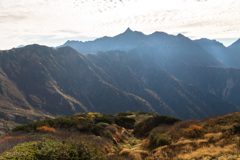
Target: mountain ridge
[{"x": 63, "y": 82}]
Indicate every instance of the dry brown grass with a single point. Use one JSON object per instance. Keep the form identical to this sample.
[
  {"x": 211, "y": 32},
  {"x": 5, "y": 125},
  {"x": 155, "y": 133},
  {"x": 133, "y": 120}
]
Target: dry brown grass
[
  {"x": 214, "y": 145},
  {"x": 183, "y": 146},
  {"x": 133, "y": 154},
  {"x": 212, "y": 151},
  {"x": 213, "y": 137}
]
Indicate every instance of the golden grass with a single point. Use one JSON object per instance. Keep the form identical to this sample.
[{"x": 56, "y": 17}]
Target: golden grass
[
  {"x": 212, "y": 151},
  {"x": 212, "y": 146},
  {"x": 213, "y": 137},
  {"x": 134, "y": 154}
]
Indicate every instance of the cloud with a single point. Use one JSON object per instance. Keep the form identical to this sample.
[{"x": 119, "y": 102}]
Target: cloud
[{"x": 53, "y": 19}]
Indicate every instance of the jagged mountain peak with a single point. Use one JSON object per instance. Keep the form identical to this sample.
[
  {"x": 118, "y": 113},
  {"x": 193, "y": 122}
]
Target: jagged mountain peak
[
  {"x": 128, "y": 30},
  {"x": 182, "y": 37}
]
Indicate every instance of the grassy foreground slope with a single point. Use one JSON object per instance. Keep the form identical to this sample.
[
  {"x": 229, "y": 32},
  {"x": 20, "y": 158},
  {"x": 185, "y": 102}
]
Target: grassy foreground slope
[{"x": 126, "y": 135}]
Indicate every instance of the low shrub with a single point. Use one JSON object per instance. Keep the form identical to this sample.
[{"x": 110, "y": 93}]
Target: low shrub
[
  {"x": 124, "y": 114},
  {"x": 184, "y": 124},
  {"x": 211, "y": 122},
  {"x": 85, "y": 126},
  {"x": 66, "y": 122},
  {"x": 193, "y": 131},
  {"x": 112, "y": 129},
  {"x": 236, "y": 128},
  {"x": 138, "y": 113},
  {"x": 145, "y": 143},
  {"x": 103, "y": 124},
  {"x": 105, "y": 118},
  {"x": 108, "y": 135},
  {"x": 125, "y": 122},
  {"x": 63, "y": 122},
  {"x": 177, "y": 130},
  {"x": 98, "y": 130},
  {"x": 9, "y": 142},
  {"x": 117, "y": 137},
  {"x": 46, "y": 129},
  {"x": 54, "y": 150},
  {"x": 157, "y": 139},
  {"x": 144, "y": 127}
]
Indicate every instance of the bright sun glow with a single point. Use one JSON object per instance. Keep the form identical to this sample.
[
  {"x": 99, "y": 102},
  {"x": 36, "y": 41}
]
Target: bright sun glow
[{"x": 52, "y": 22}]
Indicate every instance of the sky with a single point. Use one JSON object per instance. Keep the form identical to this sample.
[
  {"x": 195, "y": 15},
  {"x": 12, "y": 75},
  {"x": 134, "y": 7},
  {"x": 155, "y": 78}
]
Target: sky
[{"x": 53, "y": 22}]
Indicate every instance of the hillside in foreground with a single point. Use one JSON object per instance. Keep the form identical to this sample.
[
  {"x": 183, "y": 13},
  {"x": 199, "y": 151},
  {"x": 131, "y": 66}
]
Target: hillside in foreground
[{"x": 126, "y": 135}]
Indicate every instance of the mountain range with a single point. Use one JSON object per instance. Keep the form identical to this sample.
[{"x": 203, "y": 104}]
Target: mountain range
[
  {"x": 199, "y": 52},
  {"x": 160, "y": 73}
]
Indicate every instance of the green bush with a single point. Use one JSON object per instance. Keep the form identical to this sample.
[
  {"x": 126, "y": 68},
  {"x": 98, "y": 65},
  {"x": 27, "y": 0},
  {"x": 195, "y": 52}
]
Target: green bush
[
  {"x": 144, "y": 113},
  {"x": 62, "y": 122},
  {"x": 104, "y": 118},
  {"x": 82, "y": 115},
  {"x": 124, "y": 114},
  {"x": 236, "y": 128},
  {"x": 157, "y": 139},
  {"x": 53, "y": 149},
  {"x": 109, "y": 135},
  {"x": 125, "y": 122},
  {"x": 144, "y": 127},
  {"x": 98, "y": 130},
  {"x": 30, "y": 127},
  {"x": 84, "y": 126}
]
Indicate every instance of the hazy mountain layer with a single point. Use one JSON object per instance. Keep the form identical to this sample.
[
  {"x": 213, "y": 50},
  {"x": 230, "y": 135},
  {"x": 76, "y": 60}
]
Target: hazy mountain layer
[
  {"x": 41, "y": 80},
  {"x": 225, "y": 83},
  {"x": 218, "y": 50},
  {"x": 235, "y": 48},
  {"x": 178, "y": 48}
]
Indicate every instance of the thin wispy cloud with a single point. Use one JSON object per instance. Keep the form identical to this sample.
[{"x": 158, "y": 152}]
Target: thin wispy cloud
[{"x": 24, "y": 21}]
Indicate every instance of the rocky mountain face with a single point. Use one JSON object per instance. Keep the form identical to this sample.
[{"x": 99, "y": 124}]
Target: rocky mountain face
[
  {"x": 221, "y": 82},
  {"x": 38, "y": 81},
  {"x": 62, "y": 82},
  {"x": 200, "y": 62}
]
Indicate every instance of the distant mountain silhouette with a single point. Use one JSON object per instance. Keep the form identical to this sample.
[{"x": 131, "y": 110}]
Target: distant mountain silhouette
[
  {"x": 178, "y": 47},
  {"x": 235, "y": 47},
  {"x": 124, "y": 41},
  {"x": 218, "y": 50}
]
